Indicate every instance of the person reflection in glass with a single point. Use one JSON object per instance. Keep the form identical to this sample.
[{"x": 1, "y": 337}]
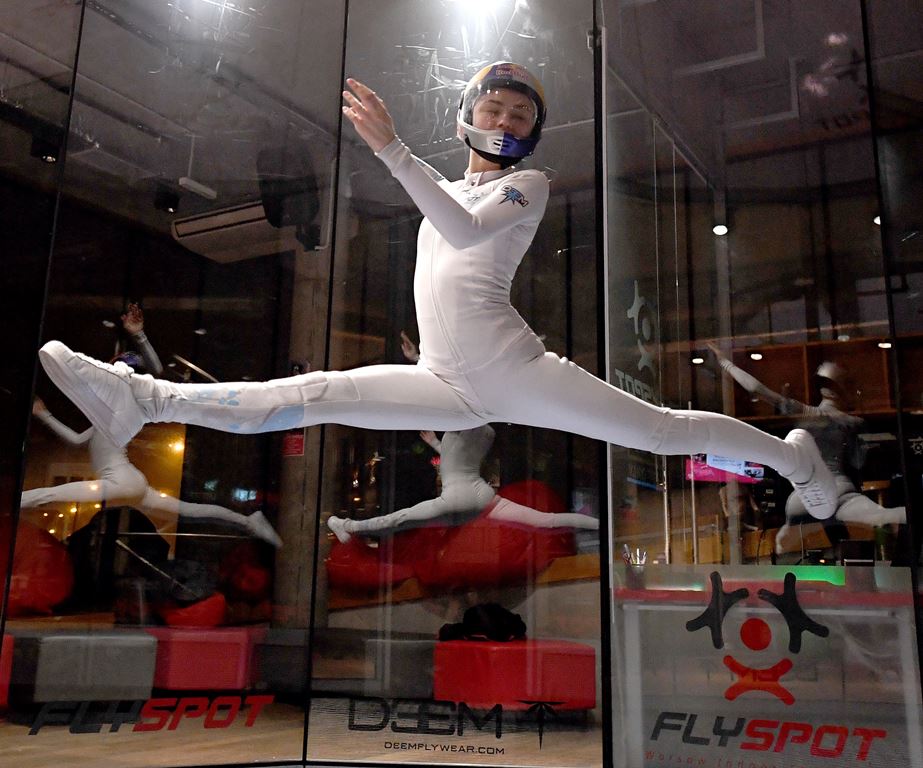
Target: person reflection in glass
[
  {"x": 480, "y": 361},
  {"x": 117, "y": 479},
  {"x": 835, "y": 432}
]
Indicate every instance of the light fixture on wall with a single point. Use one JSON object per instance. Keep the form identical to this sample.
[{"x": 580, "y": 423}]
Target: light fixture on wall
[
  {"x": 165, "y": 199},
  {"x": 46, "y": 144}
]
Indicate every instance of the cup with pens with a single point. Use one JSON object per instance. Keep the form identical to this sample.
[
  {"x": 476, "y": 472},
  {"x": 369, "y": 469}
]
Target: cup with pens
[{"x": 634, "y": 559}]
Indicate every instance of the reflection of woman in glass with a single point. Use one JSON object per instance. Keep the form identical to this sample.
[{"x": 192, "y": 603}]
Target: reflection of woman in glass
[
  {"x": 480, "y": 361},
  {"x": 835, "y": 433},
  {"x": 464, "y": 494},
  {"x": 117, "y": 480}
]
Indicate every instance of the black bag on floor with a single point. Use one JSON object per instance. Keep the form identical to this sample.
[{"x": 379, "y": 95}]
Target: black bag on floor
[{"x": 487, "y": 621}]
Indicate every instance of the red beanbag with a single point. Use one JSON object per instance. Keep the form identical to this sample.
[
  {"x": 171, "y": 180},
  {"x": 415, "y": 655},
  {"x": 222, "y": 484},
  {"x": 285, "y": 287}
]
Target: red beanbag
[
  {"x": 209, "y": 612},
  {"x": 355, "y": 565},
  {"x": 43, "y": 575},
  {"x": 488, "y": 553}
]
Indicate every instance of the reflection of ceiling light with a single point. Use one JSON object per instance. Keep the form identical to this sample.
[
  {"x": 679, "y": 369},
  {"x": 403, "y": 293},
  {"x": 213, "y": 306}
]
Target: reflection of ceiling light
[
  {"x": 108, "y": 324},
  {"x": 843, "y": 337},
  {"x": 837, "y": 38},
  {"x": 877, "y": 220},
  {"x": 165, "y": 199},
  {"x": 884, "y": 344},
  {"x": 697, "y": 360},
  {"x": 720, "y": 229},
  {"x": 44, "y": 149},
  {"x": 60, "y": 514},
  {"x": 200, "y": 331},
  {"x": 51, "y": 530},
  {"x": 97, "y": 506},
  {"x": 73, "y": 510},
  {"x": 756, "y": 355},
  {"x": 177, "y": 446},
  {"x": 94, "y": 486},
  {"x": 163, "y": 495}
]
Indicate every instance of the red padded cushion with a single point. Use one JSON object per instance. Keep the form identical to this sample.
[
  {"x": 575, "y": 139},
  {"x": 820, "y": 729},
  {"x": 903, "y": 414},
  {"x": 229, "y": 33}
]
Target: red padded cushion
[{"x": 43, "y": 575}]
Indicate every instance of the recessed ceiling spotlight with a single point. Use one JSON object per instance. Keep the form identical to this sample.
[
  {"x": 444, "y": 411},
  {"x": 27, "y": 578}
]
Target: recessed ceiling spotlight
[
  {"x": 698, "y": 360},
  {"x": 165, "y": 199},
  {"x": 720, "y": 229},
  {"x": 843, "y": 337},
  {"x": 108, "y": 324},
  {"x": 877, "y": 221},
  {"x": 884, "y": 344},
  {"x": 756, "y": 355},
  {"x": 200, "y": 331}
]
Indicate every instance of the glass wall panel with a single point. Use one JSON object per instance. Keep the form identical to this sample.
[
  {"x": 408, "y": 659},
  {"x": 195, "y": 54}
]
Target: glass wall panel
[
  {"x": 384, "y": 688},
  {"x": 171, "y": 579},
  {"x": 738, "y": 618},
  {"x": 38, "y": 45}
]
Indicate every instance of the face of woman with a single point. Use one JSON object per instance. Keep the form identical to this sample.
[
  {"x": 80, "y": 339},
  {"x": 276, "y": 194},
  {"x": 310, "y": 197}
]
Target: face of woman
[{"x": 505, "y": 110}]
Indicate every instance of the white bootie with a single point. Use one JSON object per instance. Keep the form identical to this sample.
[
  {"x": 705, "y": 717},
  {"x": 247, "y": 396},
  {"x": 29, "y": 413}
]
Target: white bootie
[
  {"x": 338, "y": 526},
  {"x": 818, "y": 489},
  {"x": 261, "y": 528},
  {"x": 101, "y": 391}
]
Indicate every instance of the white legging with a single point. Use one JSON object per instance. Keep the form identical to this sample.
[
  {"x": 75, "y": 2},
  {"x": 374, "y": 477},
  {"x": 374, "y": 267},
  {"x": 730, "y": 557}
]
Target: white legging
[
  {"x": 852, "y": 507},
  {"x": 468, "y": 500},
  {"x": 543, "y": 391},
  {"x": 126, "y": 485}
]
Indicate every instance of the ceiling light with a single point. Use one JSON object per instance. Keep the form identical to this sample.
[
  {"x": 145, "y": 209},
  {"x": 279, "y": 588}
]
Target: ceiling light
[
  {"x": 756, "y": 355},
  {"x": 884, "y": 344},
  {"x": 877, "y": 221},
  {"x": 165, "y": 199},
  {"x": 697, "y": 360},
  {"x": 108, "y": 324},
  {"x": 200, "y": 331},
  {"x": 720, "y": 229},
  {"x": 843, "y": 337},
  {"x": 44, "y": 150}
]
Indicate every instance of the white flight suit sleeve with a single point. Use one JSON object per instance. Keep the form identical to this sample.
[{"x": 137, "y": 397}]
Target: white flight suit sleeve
[
  {"x": 520, "y": 200},
  {"x": 64, "y": 432}
]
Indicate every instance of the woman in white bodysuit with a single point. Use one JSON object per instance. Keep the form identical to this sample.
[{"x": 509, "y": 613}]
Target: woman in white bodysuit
[
  {"x": 835, "y": 427},
  {"x": 480, "y": 362},
  {"x": 464, "y": 494},
  {"x": 118, "y": 481}
]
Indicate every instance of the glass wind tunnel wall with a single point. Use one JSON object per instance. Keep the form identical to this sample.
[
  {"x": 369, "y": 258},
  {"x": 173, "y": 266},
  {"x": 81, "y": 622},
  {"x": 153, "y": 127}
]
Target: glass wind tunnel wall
[
  {"x": 757, "y": 122},
  {"x": 194, "y": 607},
  {"x": 186, "y": 601}
]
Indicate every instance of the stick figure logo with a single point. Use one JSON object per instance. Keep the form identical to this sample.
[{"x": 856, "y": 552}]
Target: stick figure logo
[
  {"x": 640, "y": 312},
  {"x": 541, "y": 711},
  {"x": 757, "y": 635}
]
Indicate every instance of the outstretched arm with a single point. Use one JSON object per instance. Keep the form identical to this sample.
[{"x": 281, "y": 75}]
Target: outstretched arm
[
  {"x": 64, "y": 432},
  {"x": 133, "y": 322},
  {"x": 526, "y": 192},
  {"x": 755, "y": 387}
]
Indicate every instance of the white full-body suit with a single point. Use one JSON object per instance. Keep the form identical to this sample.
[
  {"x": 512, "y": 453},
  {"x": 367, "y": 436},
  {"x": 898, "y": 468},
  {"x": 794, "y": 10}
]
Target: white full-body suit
[
  {"x": 464, "y": 494},
  {"x": 480, "y": 362},
  {"x": 831, "y": 428},
  {"x": 120, "y": 482}
]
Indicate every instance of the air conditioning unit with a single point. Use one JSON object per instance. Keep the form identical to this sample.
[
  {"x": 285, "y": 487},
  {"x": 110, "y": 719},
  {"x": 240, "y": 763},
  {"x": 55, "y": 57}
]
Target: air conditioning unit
[{"x": 234, "y": 234}]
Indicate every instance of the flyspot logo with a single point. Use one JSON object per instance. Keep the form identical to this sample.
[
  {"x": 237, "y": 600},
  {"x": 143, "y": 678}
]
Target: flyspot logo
[
  {"x": 826, "y": 740},
  {"x": 757, "y": 635},
  {"x": 150, "y": 715}
]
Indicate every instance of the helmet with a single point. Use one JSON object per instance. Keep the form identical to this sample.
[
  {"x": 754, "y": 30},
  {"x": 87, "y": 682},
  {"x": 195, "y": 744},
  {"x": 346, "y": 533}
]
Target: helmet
[
  {"x": 831, "y": 372},
  {"x": 498, "y": 146}
]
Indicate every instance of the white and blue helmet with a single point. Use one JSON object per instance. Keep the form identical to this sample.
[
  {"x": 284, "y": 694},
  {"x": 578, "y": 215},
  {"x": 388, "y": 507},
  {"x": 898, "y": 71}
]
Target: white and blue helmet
[{"x": 498, "y": 146}]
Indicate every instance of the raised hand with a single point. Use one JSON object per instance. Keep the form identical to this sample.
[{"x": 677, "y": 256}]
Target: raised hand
[
  {"x": 133, "y": 319},
  {"x": 409, "y": 348},
  {"x": 368, "y": 114}
]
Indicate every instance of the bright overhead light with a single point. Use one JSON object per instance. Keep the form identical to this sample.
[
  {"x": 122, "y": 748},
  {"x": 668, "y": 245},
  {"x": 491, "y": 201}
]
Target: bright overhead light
[
  {"x": 720, "y": 229},
  {"x": 877, "y": 220},
  {"x": 756, "y": 355},
  {"x": 884, "y": 344},
  {"x": 697, "y": 360}
]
